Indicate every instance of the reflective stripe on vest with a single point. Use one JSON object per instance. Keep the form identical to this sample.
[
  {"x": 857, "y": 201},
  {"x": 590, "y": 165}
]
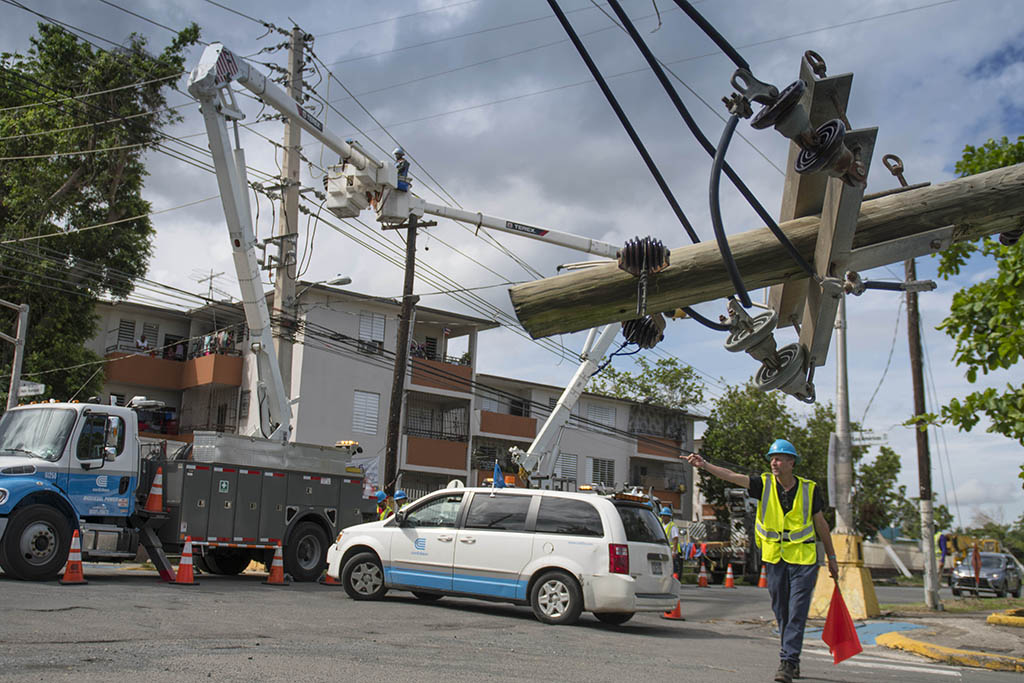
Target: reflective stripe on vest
[
  {"x": 794, "y": 545},
  {"x": 668, "y": 534}
]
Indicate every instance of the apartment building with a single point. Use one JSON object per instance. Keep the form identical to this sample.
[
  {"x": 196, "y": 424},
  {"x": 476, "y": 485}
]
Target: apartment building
[{"x": 456, "y": 423}]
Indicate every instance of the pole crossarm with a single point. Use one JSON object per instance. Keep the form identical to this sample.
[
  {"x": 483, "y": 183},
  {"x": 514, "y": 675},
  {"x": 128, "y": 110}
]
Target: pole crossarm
[{"x": 975, "y": 206}]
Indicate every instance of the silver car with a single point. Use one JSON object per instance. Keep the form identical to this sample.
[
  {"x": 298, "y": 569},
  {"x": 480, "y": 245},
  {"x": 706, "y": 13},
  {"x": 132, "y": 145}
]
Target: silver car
[{"x": 999, "y": 575}]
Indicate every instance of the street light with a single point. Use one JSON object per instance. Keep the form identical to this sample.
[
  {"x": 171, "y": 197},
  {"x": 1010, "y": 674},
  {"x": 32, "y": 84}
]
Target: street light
[{"x": 338, "y": 280}]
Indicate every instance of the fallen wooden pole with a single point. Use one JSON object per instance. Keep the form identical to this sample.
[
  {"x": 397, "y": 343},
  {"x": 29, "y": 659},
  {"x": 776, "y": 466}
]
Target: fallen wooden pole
[{"x": 974, "y": 206}]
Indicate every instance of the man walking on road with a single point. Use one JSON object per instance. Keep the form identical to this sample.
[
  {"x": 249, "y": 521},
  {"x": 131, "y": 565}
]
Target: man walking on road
[{"x": 789, "y": 514}]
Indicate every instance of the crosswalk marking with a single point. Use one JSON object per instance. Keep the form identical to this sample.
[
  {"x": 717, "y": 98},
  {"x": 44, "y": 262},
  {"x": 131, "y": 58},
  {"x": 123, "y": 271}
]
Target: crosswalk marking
[{"x": 876, "y": 662}]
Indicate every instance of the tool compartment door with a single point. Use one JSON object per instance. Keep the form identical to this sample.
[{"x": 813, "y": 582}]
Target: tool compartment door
[
  {"x": 223, "y": 490},
  {"x": 272, "y": 506},
  {"x": 195, "y": 501},
  {"x": 247, "y": 504}
]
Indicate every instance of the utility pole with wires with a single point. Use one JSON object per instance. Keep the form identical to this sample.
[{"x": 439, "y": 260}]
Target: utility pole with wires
[
  {"x": 287, "y": 230},
  {"x": 924, "y": 461}
]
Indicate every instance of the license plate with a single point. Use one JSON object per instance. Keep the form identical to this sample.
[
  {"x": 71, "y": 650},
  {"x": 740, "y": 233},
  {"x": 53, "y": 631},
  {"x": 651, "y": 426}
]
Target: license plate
[{"x": 656, "y": 567}]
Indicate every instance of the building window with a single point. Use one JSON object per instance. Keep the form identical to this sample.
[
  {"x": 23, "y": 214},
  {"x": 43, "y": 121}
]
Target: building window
[
  {"x": 601, "y": 414},
  {"x": 565, "y": 466},
  {"x": 430, "y": 347},
  {"x": 519, "y": 406},
  {"x": 490, "y": 404},
  {"x": 152, "y": 333},
  {"x": 126, "y": 334},
  {"x": 602, "y": 471},
  {"x": 365, "y": 412},
  {"x": 371, "y": 332}
]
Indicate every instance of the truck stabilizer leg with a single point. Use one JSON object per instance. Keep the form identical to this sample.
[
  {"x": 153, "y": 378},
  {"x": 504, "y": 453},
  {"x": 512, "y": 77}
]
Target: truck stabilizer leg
[{"x": 155, "y": 549}]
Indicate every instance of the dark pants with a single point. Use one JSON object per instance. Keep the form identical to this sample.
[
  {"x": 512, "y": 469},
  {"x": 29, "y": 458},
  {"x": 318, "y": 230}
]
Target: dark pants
[{"x": 791, "y": 587}]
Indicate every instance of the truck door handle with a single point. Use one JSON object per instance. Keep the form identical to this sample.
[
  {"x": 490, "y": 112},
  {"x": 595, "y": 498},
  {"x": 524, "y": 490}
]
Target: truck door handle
[
  {"x": 445, "y": 539},
  {"x": 123, "y": 486},
  {"x": 467, "y": 539}
]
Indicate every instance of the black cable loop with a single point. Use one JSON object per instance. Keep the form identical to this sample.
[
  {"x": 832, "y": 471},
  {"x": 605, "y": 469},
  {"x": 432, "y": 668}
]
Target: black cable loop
[{"x": 716, "y": 213}]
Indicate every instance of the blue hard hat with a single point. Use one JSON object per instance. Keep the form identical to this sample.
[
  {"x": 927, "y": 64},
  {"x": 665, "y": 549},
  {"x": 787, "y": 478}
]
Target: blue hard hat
[
  {"x": 400, "y": 495},
  {"x": 781, "y": 446},
  {"x": 381, "y": 497},
  {"x": 398, "y": 151},
  {"x": 666, "y": 510}
]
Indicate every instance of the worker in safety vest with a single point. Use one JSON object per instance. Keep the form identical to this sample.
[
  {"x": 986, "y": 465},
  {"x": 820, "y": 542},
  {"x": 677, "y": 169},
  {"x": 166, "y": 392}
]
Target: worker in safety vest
[
  {"x": 384, "y": 509},
  {"x": 401, "y": 500},
  {"x": 790, "y": 512},
  {"x": 941, "y": 549},
  {"x": 672, "y": 534}
]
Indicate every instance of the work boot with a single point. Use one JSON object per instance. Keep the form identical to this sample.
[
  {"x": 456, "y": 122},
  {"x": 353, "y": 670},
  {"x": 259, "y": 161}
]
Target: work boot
[
  {"x": 785, "y": 672},
  {"x": 796, "y": 671}
]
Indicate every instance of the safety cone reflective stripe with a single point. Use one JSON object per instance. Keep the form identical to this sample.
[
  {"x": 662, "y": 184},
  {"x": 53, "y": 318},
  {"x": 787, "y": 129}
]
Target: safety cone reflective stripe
[
  {"x": 730, "y": 580},
  {"x": 762, "y": 582},
  {"x": 185, "y": 576},
  {"x": 702, "y": 578},
  {"x": 73, "y": 574},
  {"x": 155, "y": 500},
  {"x": 328, "y": 580},
  {"x": 276, "y": 577}
]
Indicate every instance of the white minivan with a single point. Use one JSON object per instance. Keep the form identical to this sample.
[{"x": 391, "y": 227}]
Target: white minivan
[{"x": 560, "y": 552}]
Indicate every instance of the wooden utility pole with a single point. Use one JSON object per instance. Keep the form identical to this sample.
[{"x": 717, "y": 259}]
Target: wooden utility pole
[
  {"x": 401, "y": 361},
  {"x": 288, "y": 225},
  {"x": 889, "y": 229},
  {"x": 924, "y": 461}
]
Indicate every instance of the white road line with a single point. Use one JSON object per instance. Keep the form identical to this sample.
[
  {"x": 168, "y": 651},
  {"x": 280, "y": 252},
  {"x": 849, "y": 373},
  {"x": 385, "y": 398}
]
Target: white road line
[{"x": 882, "y": 663}]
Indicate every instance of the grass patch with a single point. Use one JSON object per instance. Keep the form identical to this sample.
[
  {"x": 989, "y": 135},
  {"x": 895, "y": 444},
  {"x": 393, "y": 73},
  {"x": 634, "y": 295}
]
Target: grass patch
[{"x": 956, "y": 605}]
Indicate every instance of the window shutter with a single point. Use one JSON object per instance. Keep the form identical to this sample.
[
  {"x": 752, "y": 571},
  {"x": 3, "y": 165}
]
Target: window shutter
[
  {"x": 365, "y": 412},
  {"x": 565, "y": 465},
  {"x": 126, "y": 333}
]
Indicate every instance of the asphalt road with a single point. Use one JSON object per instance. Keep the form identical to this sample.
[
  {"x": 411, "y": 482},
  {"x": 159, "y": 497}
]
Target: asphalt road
[{"x": 126, "y": 624}]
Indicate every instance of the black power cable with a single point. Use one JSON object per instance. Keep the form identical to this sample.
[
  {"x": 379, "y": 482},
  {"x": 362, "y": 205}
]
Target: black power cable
[
  {"x": 713, "y": 34},
  {"x": 614, "y": 103},
  {"x": 716, "y": 213}
]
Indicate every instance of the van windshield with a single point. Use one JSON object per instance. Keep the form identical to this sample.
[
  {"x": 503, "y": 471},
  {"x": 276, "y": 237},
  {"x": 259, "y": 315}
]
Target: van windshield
[
  {"x": 640, "y": 524},
  {"x": 36, "y": 432}
]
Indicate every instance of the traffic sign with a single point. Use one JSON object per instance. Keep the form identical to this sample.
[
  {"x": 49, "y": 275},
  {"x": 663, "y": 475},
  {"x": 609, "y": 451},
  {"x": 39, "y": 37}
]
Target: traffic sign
[{"x": 26, "y": 388}]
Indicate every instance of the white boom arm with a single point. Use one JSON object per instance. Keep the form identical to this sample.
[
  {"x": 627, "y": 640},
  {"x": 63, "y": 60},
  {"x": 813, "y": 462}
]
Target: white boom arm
[{"x": 539, "y": 459}]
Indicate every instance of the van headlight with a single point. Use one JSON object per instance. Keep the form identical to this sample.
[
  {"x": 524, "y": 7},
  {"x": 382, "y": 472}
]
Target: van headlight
[{"x": 3, "y": 496}]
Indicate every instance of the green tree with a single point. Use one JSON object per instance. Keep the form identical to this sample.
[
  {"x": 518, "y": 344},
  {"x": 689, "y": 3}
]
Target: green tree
[
  {"x": 877, "y": 502},
  {"x": 666, "y": 383},
  {"x": 65, "y": 97},
  {"x": 908, "y": 515},
  {"x": 986, "y": 320}
]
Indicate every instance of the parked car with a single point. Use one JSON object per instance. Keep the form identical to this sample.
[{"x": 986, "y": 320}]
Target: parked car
[
  {"x": 562, "y": 553},
  {"x": 999, "y": 574}
]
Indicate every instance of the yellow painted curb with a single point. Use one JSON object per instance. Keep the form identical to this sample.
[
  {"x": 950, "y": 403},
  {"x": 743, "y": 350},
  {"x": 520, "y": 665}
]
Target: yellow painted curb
[
  {"x": 1011, "y": 617},
  {"x": 949, "y": 655}
]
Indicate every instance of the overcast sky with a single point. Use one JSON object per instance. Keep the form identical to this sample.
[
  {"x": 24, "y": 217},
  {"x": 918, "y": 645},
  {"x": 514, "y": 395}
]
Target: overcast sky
[{"x": 499, "y": 111}]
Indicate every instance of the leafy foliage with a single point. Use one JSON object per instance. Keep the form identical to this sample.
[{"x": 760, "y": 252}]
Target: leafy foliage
[
  {"x": 908, "y": 515},
  {"x": 986, "y": 320},
  {"x": 60, "y": 102},
  {"x": 666, "y": 383},
  {"x": 877, "y": 502}
]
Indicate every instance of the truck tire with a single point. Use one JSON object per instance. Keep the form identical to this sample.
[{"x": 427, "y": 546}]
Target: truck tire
[
  {"x": 226, "y": 561},
  {"x": 36, "y": 543},
  {"x": 363, "y": 578},
  {"x": 556, "y": 598},
  {"x": 305, "y": 556}
]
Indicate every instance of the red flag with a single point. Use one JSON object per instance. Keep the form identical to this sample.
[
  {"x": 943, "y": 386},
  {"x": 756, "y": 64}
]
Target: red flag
[{"x": 839, "y": 633}]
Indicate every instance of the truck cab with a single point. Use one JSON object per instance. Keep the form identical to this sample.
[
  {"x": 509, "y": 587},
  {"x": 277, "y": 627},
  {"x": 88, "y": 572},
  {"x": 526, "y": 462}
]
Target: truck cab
[{"x": 65, "y": 466}]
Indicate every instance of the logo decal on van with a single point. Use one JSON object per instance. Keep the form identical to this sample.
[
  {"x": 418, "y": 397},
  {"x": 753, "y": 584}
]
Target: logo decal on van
[
  {"x": 420, "y": 544},
  {"x": 101, "y": 481}
]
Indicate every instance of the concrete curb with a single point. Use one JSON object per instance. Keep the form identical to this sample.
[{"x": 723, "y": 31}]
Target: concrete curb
[
  {"x": 1011, "y": 617},
  {"x": 949, "y": 655}
]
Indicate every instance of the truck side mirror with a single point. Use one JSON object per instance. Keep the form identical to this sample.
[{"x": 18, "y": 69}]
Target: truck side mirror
[{"x": 109, "y": 453}]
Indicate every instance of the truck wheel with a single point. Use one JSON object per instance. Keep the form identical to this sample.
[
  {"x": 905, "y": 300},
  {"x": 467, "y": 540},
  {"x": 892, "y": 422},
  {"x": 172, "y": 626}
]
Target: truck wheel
[
  {"x": 305, "y": 556},
  {"x": 556, "y": 598},
  {"x": 956, "y": 592},
  {"x": 36, "y": 543},
  {"x": 1016, "y": 593},
  {"x": 613, "y": 618},
  {"x": 226, "y": 561},
  {"x": 363, "y": 577}
]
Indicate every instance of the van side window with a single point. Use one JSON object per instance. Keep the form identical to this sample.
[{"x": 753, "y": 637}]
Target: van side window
[
  {"x": 440, "y": 512},
  {"x": 500, "y": 512},
  {"x": 566, "y": 516}
]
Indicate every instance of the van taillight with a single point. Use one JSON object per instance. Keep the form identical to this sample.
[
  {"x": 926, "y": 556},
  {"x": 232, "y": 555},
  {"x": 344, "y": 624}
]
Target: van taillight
[{"x": 618, "y": 558}]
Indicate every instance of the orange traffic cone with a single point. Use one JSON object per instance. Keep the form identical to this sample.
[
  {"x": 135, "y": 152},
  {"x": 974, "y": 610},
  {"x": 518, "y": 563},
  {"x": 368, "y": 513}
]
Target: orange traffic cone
[
  {"x": 185, "y": 576},
  {"x": 328, "y": 580},
  {"x": 730, "y": 580},
  {"x": 676, "y": 614},
  {"x": 155, "y": 500},
  {"x": 702, "y": 577},
  {"x": 73, "y": 569},
  {"x": 276, "y": 577},
  {"x": 762, "y": 582}
]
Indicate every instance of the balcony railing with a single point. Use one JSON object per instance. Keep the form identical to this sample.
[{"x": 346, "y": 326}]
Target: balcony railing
[{"x": 439, "y": 434}]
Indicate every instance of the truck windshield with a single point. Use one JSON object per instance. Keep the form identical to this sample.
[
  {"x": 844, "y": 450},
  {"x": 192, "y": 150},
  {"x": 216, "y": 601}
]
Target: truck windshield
[{"x": 35, "y": 432}]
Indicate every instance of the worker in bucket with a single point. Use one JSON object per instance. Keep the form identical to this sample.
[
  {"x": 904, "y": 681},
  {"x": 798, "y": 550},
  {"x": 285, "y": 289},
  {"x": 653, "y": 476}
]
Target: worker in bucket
[
  {"x": 672, "y": 533},
  {"x": 384, "y": 509},
  {"x": 790, "y": 513},
  {"x": 402, "y": 166}
]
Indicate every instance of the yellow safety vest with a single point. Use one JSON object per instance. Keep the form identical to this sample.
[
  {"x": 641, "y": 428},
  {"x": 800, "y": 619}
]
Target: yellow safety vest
[
  {"x": 789, "y": 536},
  {"x": 385, "y": 513},
  {"x": 668, "y": 534}
]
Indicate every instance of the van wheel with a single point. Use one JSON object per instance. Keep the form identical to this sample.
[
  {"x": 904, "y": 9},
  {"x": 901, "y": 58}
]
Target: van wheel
[
  {"x": 613, "y": 618},
  {"x": 363, "y": 578},
  {"x": 427, "y": 597},
  {"x": 305, "y": 556},
  {"x": 556, "y": 598},
  {"x": 36, "y": 543}
]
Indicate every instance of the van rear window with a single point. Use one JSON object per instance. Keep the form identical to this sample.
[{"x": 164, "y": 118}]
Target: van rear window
[
  {"x": 566, "y": 516},
  {"x": 640, "y": 524}
]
